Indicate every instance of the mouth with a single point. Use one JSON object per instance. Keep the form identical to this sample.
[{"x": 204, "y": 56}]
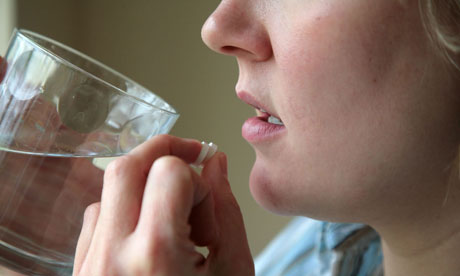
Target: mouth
[
  {"x": 266, "y": 126},
  {"x": 264, "y": 115},
  {"x": 263, "y": 112}
]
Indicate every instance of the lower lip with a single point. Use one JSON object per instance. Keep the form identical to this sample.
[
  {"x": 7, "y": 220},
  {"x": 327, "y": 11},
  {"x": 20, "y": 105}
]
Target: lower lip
[{"x": 257, "y": 129}]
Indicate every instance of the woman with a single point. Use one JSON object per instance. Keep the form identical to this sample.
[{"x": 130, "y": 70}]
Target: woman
[{"x": 358, "y": 123}]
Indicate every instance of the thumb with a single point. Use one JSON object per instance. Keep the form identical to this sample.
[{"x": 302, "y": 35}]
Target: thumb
[{"x": 229, "y": 254}]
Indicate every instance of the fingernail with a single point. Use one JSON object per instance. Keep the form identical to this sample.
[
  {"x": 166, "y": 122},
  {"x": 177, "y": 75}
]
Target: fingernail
[{"x": 223, "y": 164}]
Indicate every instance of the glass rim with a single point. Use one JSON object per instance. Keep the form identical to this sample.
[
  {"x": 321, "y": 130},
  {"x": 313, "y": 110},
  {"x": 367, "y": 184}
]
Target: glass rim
[{"x": 23, "y": 33}]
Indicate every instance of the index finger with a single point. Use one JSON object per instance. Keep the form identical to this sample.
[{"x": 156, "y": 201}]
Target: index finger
[
  {"x": 163, "y": 145},
  {"x": 124, "y": 183},
  {"x": 124, "y": 179}
]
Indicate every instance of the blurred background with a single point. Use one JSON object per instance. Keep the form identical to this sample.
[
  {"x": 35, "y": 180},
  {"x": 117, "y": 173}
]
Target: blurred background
[{"x": 158, "y": 44}]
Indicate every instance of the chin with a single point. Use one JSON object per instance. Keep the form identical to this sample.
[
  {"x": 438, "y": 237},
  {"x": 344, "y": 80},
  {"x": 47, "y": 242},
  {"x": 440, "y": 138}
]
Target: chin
[
  {"x": 287, "y": 196},
  {"x": 268, "y": 192}
]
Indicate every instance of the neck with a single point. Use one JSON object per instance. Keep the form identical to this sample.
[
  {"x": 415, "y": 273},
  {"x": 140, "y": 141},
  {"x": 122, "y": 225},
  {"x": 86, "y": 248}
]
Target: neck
[
  {"x": 441, "y": 259},
  {"x": 426, "y": 242}
]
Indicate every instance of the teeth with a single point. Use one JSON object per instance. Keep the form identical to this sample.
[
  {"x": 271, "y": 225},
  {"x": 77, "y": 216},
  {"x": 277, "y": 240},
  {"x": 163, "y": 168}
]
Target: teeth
[{"x": 274, "y": 120}]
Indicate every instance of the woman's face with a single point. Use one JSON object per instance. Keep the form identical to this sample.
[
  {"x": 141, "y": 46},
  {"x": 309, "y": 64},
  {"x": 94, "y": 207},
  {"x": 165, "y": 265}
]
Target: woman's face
[{"x": 369, "y": 113}]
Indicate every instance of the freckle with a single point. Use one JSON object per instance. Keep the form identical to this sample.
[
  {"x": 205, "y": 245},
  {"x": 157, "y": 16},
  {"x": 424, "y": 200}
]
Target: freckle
[
  {"x": 318, "y": 18},
  {"x": 374, "y": 80}
]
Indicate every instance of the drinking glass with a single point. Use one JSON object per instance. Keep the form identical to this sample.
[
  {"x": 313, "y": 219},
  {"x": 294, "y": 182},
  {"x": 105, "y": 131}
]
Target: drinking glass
[{"x": 62, "y": 115}]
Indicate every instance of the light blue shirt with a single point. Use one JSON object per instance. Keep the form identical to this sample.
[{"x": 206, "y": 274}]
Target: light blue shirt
[{"x": 309, "y": 247}]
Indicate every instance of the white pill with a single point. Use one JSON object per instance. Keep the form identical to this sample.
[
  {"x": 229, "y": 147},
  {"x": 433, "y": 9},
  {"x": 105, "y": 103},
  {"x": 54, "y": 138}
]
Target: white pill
[{"x": 207, "y": 151}]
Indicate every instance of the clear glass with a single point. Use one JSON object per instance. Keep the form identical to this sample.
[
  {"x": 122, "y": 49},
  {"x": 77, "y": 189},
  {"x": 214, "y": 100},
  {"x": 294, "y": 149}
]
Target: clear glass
[{"x": 61, "y": 114}]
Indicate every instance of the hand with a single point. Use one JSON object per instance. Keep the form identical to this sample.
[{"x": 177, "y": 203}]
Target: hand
[{"x": 155, "y": 209}]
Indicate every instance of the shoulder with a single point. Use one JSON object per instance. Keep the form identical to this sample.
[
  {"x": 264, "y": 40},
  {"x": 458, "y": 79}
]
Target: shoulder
[{"x": 311, "y": 247}]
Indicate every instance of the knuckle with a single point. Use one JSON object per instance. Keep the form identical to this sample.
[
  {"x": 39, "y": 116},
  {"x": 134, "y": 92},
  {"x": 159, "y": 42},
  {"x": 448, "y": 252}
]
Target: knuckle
[
  {"x": 121, "y": 166},
  {"x": 168, "y": 166},
  {"x": 163, "y": 140},
  {"x": 141, "y": 258},
  {"x": 136, "y": 264},
  {"x": 92, "y": 211},
  {"x": 162, "y": 137}
]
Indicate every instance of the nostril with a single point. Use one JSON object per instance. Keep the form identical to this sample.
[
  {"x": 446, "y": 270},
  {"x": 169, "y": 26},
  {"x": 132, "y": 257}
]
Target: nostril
[
  {"x": 228, "y": 49},
  {"x": 236, "y": 51}
]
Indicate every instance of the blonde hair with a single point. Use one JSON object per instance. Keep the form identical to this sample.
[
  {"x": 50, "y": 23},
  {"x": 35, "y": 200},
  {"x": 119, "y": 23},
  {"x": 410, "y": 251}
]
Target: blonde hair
[{"x": 442, "y": 21}]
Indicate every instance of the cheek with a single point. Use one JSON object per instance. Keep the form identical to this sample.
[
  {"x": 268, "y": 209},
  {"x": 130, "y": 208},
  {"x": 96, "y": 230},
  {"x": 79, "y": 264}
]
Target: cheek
[
  {"x": 345, "y": 98},
  {"x": 321, "y": 56},
  {"x": 338, "y": 82},
  {"x": 334, "y": 46}
]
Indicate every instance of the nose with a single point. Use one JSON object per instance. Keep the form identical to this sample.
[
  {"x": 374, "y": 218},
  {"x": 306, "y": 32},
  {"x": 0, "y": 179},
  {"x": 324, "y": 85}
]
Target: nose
[{"x": 236, "y": 29}]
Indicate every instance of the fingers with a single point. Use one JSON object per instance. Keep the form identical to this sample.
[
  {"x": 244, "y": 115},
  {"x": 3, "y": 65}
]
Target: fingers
[
  {"x": 120, "y": 200},
  {"x": 155, "y": 209},
  {"x": 122, "y": 196},
  {"x": 202, "y": 222},
  {"x": 162, "y": 145},
  {"x": 162, "y": 237},
  {"x": 174, "y": 197},
  {"x": 173, "y": 190},
  {"x": 230, "y": 251},
  {"x": 170, "y": 193},
  {"x": 89, "y": 224},
  {"x": 125, "y": 178}
]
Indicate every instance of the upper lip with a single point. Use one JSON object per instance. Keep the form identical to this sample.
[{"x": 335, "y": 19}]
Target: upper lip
[{"x": 251, "y": 100}]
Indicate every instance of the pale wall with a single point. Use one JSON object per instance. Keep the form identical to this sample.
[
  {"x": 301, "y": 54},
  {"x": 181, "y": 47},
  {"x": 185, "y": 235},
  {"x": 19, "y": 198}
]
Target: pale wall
[
  {"x": 158, "y": 44},
  {"x": 7, "y": 22}
]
